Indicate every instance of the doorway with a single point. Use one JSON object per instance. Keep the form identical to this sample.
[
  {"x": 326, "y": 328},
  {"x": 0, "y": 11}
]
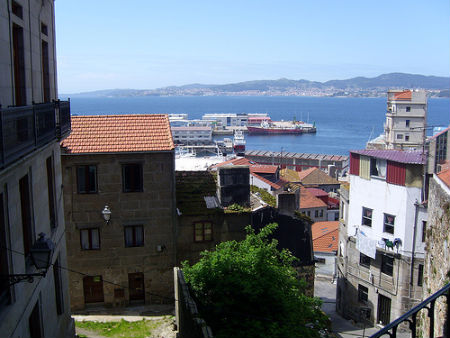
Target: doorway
[
  {"x": 93, "y": 289},
  {"x": 136, "y": 286},
  {"x": 384, "y": 310}
]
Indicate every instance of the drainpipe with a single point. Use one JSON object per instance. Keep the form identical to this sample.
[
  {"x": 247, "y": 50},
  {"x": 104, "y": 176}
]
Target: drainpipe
[{"x": 411, "y": 281}]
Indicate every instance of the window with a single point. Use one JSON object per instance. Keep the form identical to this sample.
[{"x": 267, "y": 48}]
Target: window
[
  {"x": 51, "y": 192},
  {"x": 364, "y": 260},
  {"x": 34, "y": 322},
  {"x": 4, "y": 267},
  {"x": 17, "y": 9},
  {"x": 58, "y": 288},
  {"x": 87, "y": 179},
  {"x": 44, "y": 28},
  {"x": 45, "y": 71},
  {"x": 363, "y": 293},
  {"x": 389, "y": 221},
  {"x": 132, "y": 177},
  {"x": 387, "y": 265},
  {"x": 424, "y": 231},
  {"x": 25, "y": 208},
  {"x": 316, "y": 213},
  {"x": 90, "y": 239},
  {"x": 321, "y": 213},
  {"x": 367, "y": 217},
  {"x": 420, "y": 276},
  {"x": 378, "y": 167},
  {"x": 407, "y": 123},
  {"x": 399, "y": 136},
  {"x": 406, "y": 137},
  {"x": 19, "y": 63},
  {"x": 408, "y": 109},
  {"x": 134, "y": 236},
  {"x": 202, "y": 231}
]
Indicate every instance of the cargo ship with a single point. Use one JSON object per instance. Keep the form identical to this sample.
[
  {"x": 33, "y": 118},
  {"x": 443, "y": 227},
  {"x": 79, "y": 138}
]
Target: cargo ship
[
  {"x": 239, "y": 142},
  {"x": 281, "y": 127}
]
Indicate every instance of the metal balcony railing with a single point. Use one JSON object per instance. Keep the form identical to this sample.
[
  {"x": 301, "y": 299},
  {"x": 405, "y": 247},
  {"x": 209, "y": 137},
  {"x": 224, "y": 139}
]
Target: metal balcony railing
[
  {"x": 411, "y": 317},
  {"x": 26, "y": 128}
]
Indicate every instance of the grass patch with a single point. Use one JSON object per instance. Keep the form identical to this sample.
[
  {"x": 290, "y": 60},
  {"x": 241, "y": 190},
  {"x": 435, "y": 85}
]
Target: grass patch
[
  {"x": 139, "y": 329},
  {"x": 265, "y": 196}
]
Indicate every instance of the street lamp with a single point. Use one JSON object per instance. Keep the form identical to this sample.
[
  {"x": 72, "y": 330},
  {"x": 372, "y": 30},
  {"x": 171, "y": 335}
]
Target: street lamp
[
  {"x": 41, "y": 255},
  {"x": 106, "y": 212}
]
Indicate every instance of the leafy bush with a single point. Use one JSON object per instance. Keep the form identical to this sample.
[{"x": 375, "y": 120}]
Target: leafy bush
[{"x": 250, "y": 289}]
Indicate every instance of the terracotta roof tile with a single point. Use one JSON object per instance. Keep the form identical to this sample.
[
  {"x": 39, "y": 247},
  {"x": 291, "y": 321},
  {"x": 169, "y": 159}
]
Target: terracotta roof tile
[
  {"x": 263, "y": 168},
  {"x": 405, "y": 95},
  {"x": 118, "y": 133},
  {"x": 308, "y": 200},
  {"x": 325, "y": 236},
  {"x": 318, "y": 192},
  {"x": 315, "y": 176},
  {"x": 289, "y": 175},
  {"x": 445, "y": 177},
  {"x": 273, "y": 185}
]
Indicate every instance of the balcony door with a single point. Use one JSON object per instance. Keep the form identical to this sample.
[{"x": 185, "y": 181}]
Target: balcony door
[
  {"x": 384, "y": 310},
  {"x": 93, "y": 289},
  {"x": 136, "y": 286}
]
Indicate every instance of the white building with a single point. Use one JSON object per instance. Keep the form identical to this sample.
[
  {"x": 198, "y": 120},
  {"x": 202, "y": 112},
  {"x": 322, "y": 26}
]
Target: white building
[
  {"x": 380, "y": 265},
  {"x": 405, "y": 124},
  {"x": 192, "y": 135},
  {"x": 31, "y": 201},
  {"x": 231, "y": 120}
]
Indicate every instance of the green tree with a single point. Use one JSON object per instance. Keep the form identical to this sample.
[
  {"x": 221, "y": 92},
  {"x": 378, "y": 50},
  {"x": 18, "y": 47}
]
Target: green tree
[{"x": 250, "y": 289}]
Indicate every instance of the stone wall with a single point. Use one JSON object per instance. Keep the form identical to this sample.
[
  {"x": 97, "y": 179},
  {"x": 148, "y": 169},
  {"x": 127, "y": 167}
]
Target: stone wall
[
  {"x": 153, "y": 208},
  {"x": 437, "y": 258}
]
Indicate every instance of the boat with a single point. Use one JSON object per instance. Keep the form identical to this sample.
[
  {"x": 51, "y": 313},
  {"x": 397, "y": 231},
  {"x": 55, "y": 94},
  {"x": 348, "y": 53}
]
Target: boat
[
  {"x": 239, "y": 142},
  {"x": 281, "y": 127}
]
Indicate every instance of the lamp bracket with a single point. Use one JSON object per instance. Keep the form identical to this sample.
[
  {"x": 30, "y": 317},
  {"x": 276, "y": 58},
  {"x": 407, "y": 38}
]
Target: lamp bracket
[{"x": 22, "y": 277}]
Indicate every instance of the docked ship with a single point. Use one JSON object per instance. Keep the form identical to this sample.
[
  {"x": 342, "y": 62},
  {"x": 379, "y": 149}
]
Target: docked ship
[
  {"x": 239, "y": 142},
  {"x": 268, "y": 127}
]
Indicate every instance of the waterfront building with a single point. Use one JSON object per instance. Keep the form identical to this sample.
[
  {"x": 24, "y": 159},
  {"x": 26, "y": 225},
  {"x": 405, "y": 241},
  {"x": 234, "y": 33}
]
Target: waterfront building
[
  {"x": 32, "y": 125},
  {"x": 192, "y": 135},
  {"x": 381, "y": 238},
  {"x": 230, "y": 119},
  {"x": 406, "y": 117},
  {"x": 124, "y": 166}
]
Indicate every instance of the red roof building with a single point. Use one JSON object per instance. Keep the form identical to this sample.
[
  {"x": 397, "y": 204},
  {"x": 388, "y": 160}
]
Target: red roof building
[{"x": 325, "y": 236}]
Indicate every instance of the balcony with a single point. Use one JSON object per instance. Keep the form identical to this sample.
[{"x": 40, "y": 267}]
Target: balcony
[
  {"x": 26, "y": 128},
  {"x": 411, "y": 317}
]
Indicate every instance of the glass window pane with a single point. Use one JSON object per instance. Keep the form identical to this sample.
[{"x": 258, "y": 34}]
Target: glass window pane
[
  {"x": 84, "y": 239},
  {"x": 139, "y": 236},
  {"x": 95, "y": 239},
  {"x": 128, "y": 236}
]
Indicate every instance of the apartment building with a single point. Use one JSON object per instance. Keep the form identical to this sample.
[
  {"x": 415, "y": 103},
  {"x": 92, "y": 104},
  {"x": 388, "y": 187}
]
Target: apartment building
[
  {"x": 381, "y": 237},
  {"x": 34, "y": 302}
]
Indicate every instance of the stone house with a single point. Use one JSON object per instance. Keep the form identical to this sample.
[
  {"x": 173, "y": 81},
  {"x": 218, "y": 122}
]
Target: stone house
[
  {"x": 436, "y": 268},
  {"x": 311, "y": 206},
  {"x": 123, "y": 164},
  {"x": 32, "y": 123}
]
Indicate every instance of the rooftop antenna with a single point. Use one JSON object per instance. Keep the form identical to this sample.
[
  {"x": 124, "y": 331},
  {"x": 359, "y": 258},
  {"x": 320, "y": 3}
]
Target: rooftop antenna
[{"x": 370, "y": 136}]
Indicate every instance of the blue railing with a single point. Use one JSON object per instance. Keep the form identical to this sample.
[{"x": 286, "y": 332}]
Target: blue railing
[
  {"x": 26, "y": 128},
  {"x": 410, "y": 317}
]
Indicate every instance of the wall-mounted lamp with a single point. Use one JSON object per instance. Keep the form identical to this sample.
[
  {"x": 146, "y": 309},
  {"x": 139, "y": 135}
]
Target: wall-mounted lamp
[
  {"x": 41, "y": 255},
  {"x": 106, "y": 212}
]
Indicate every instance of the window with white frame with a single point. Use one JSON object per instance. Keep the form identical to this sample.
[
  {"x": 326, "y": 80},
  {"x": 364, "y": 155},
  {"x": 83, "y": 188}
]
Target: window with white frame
[
  {"x": 367, "y": 217},
  {"x": 389, "y": 221}
]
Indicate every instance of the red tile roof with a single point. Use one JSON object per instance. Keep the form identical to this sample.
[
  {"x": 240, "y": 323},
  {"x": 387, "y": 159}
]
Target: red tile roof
[
  {"x": 445, "y": 177},
  {"x": 308, "y": 200},
  {"x": 325, "y": 236},
  {"x": 235, "y": 161},
  {"x": 302, "y": 174},
  {"x": 401, "y": 156},
  {"x": 318, "y": 192},
  {"x": 315, "y": 176},
  {"x": 405, "y": 95},
  {"x": 119, "y": 133},
  {"x": 263, "y": 168}
]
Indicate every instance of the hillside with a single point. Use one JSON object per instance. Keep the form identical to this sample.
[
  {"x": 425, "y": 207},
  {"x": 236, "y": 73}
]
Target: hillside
[{"x": 355, "y": 87}]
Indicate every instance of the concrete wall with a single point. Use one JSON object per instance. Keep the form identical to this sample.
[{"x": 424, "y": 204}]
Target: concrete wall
[
  {"x": 14, "y": 317},
  {"x": 35, "y": 12},
  {"x": 153, "y": 208}
]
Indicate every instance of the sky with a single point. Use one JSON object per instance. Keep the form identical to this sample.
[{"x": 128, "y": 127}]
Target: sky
[{"x": 147, "y": 44}]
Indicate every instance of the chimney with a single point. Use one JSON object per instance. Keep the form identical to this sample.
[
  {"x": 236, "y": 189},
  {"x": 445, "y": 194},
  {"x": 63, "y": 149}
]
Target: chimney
[
  {"x": 286, "y": 203},
  {"x": 233, "y": 185}
]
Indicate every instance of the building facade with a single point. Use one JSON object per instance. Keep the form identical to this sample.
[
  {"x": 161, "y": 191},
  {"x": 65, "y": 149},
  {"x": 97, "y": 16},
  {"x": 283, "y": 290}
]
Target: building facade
[
  {"x": 32, "y": 123},
  {"x": 381, "y": 245},
  {"x": 125, "y": 164}
]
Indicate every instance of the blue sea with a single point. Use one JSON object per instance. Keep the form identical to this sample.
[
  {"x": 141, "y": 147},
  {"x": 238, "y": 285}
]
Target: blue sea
[{"x": 343, "y": 124}]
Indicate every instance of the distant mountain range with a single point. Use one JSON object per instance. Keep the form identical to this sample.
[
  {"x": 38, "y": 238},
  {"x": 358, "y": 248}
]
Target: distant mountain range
[{"x": 355, "y": 87}]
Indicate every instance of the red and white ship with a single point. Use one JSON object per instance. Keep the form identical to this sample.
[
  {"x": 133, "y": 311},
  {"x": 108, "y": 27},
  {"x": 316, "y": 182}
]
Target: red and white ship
[
  {"x": 281, "y": 127},
  {"x": 239, "y": 142}
]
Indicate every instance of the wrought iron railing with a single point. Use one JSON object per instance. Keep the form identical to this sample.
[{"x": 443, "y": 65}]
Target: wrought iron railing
[
  {"x": 410, "y": 317},
  {"x": 26, "y": 128}
]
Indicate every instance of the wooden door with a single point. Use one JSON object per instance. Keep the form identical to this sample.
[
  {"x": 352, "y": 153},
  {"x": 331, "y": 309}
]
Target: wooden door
[
  {"x": 136, "y": 286},
  {"x": 93, "y": 289},
  {"x": 384, "y": 310}
]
